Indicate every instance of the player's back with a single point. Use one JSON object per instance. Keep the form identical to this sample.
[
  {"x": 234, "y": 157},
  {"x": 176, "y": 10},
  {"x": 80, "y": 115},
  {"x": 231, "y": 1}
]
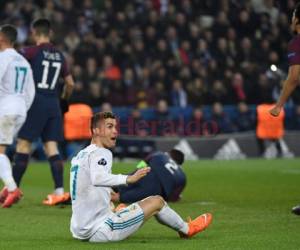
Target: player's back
[
  {"x": 16, "y": 83},
  {"x": 168, "y": 172},
  {"x": 48, "y": 65}
]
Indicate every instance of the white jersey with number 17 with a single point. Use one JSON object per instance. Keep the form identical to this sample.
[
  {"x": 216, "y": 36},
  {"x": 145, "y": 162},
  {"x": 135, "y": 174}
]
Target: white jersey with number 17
[
  {"x": 90, "y": 186},
  {"x": 16, "y": 83}
]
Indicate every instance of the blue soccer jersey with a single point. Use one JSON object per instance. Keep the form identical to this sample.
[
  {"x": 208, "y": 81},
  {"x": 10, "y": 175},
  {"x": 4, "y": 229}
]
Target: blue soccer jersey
[
  {"x": 48, "y": 65},
  {"x": 44, "y": 118},
  {"x": 169, "y": 173}
]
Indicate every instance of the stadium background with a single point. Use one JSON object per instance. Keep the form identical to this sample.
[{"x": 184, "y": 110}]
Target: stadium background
[
  {"x": 128, "y": 55},
  {"x": 174, "y": 61}
]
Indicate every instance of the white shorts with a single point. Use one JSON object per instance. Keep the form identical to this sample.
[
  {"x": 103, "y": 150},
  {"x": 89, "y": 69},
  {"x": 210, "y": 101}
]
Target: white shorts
[
  {"x": 120, "y": 225},
  {"x": 9, "y": 127}
]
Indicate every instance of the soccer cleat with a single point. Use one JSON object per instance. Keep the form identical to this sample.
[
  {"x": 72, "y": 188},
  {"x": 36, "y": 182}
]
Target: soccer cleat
[
  {"x": 120, "y": 207},
  {"x": 12, "y": 198},
  {"x": 296, "y": 210},
  {"x": 197, "y": 225},
  {"x": 3, "y": 194},
  {"x": 54, "y": 199}
]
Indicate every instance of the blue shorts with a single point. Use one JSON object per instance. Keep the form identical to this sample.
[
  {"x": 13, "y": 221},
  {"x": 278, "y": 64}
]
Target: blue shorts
[
  {"x": 44, "y": 120},
  {"x": 147, "y": 186}
]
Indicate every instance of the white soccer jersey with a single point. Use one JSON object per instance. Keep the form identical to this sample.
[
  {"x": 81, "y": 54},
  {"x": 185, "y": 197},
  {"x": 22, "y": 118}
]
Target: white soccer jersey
[
  {"x": 90, "y": 184},
  {"x": 16, "y": 83}
]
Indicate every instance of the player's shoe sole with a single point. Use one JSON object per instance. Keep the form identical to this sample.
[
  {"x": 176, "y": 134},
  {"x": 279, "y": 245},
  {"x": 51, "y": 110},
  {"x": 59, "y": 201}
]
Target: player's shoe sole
[
  {"x": 197, "y": 225},
  {"x": 53, "y": 199},
  {"x": 12, "y": 198}
]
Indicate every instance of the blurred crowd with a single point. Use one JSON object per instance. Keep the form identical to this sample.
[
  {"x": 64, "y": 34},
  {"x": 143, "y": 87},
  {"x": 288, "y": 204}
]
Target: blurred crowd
[{"x": 183, "y": 53}]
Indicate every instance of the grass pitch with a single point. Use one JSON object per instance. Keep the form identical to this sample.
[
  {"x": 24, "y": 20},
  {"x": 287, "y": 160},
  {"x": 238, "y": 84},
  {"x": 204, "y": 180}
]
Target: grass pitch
[{"x": 250, "y": 200}]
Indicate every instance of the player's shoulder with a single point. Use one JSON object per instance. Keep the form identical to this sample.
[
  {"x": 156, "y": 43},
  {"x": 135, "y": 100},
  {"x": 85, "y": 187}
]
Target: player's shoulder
[
  {"x": 294, "y": 44},
  {"x": 29, "y": 49},
  {"x": 99, "y": 151}
]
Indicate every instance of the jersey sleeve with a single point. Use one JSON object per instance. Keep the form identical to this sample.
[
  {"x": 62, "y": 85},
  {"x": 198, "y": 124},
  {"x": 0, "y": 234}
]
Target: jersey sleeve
[
  {"x": 29, "y": 89},
  {"x": 4, "y": 63},
  {"x": 294, "y": 52},
  {"x": 100, "y": 163}
]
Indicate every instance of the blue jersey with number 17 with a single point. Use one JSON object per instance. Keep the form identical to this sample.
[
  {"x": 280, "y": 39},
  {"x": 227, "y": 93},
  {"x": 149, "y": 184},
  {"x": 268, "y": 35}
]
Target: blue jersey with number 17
[{"x": 48, "y": 65}]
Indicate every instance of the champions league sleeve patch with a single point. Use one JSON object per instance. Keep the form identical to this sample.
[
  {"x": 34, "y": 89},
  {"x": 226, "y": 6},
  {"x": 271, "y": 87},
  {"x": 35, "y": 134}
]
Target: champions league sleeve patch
[{"x": 102, "y": 162}]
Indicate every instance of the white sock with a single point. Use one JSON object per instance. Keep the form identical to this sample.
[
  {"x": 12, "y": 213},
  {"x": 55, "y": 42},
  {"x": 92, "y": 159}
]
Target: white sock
[
  {"x": 168, "y": 217},
  {"x": 6, "y": 173},
  {"x": 59, "y": 191}
]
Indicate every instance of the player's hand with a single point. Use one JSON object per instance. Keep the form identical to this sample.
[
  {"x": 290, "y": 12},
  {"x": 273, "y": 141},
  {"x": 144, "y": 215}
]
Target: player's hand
[
  {"x": 115, "y": 197},
  {"x": 139, "y": 174},
  {"x": 275, "y": 111}
]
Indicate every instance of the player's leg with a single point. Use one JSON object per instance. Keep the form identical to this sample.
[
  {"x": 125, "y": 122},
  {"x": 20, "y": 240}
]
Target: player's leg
[
  {"x": 29, "y": 132},
  {"x": 145, "y": 187},
  {"x": 51, "y": 135},
  {"x": 21, "y": 159},
  {"x": 56, "y": 165},
  {"x": 120, "y": 225},
  {"x": 6, "y": 172},
  {"x": 9, "y": 125},
  {"x": 156, "y": 206}
]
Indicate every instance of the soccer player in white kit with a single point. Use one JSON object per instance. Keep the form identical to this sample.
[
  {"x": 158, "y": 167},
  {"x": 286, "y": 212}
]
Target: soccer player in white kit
[
  {"x": 90, "y": 186},
  {"x": 16, "y": 96}
]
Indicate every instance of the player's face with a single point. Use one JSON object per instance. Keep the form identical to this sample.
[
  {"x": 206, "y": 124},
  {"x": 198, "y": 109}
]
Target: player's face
[{"x": 108, "y": 132}]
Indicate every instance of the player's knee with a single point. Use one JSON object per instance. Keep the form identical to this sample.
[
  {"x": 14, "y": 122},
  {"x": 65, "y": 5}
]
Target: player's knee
[
  {"x": 158, "y": 200},
  {"x": 23, "y": 146},
  {"x": 50, "y": 148}
]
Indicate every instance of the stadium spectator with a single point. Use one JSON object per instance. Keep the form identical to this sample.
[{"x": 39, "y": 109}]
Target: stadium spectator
[
  {"x": 164, "y": 42},
  {"x": 178, "y": 95},
  {"x": 163, "y": 119},
  {"x": 245, "y": 119},
  {"x": 222, "y": 120}
]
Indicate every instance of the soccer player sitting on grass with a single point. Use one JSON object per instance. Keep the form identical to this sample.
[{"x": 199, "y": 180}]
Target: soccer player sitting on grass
[
  {"x": 90, "y": 184},
  {"x": 166, "y": 179}
]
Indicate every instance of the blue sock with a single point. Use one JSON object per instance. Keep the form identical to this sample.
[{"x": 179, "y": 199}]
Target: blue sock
[
  {"x": 19, "y": 166},
  {"x": 57, "y": 170}
]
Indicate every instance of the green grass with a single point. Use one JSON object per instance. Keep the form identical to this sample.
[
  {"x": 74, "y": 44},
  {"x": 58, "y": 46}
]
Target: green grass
[{"x": 250, "y": 201}]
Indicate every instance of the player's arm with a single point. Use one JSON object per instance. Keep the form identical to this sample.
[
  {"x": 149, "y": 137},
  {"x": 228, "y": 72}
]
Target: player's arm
[
  {"x": 68, "y": 87},
  {"x": 66, "y": 93},
  {"x": 100, "y": 163},
  {"x": 29, "y": 90},
  {"x": 288, "y": 87}
]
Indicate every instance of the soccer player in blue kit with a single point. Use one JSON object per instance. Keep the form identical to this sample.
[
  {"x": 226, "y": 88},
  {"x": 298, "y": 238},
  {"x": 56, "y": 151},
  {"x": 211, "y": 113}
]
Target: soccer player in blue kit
[
  {"x": 44, "y": 118},
  {"x": 166, "y": 179},
  {"x": 292, "y": 80}
]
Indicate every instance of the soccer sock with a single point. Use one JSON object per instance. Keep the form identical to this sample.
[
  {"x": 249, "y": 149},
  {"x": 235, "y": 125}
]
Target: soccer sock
[
  {"x": 20, "y": 166},
  {"x": 57, "y": 170},
  {"x": 6, "y": 173},
  {"x": 168, "y": 217}
]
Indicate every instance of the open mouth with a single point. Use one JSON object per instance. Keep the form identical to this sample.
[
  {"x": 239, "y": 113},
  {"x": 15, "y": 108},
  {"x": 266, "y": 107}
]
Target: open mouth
[{"x": 113, "y": 138}]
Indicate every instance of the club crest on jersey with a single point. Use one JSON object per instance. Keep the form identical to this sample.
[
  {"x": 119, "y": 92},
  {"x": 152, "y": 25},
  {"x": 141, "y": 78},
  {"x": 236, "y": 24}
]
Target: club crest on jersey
[{"x": 102, "y": 162}]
